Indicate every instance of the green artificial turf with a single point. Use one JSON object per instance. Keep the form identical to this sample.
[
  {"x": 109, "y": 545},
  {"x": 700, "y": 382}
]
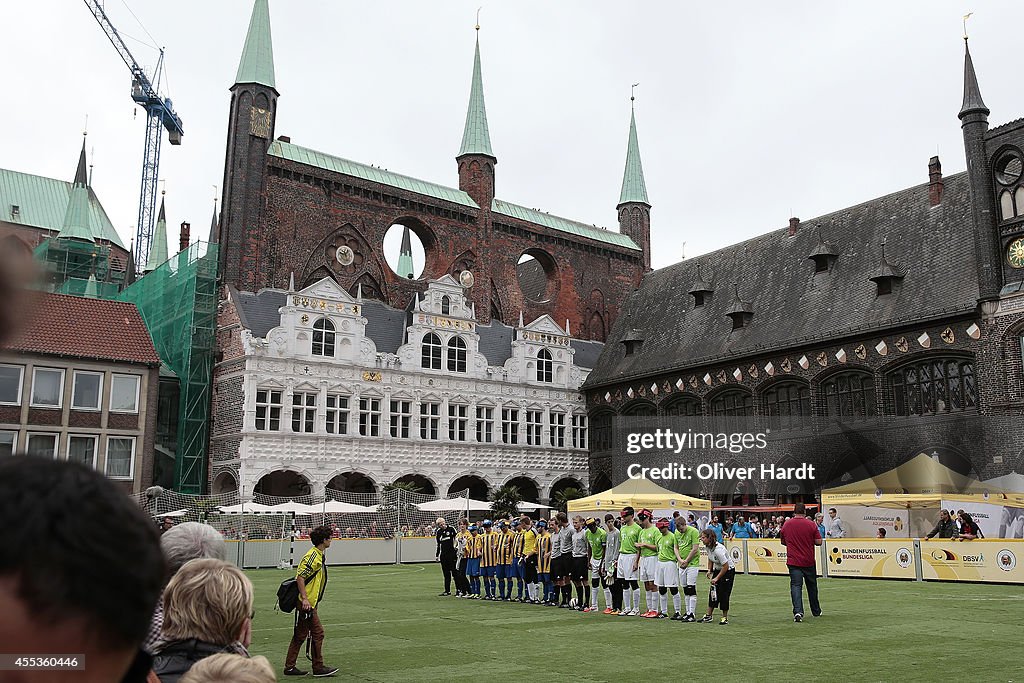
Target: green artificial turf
[{"x": 386, "y": 623}]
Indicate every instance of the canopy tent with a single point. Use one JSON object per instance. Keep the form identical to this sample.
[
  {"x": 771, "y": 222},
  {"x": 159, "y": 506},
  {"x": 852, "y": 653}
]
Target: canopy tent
[
  {"x": 176, "y": 513},
  {"x": 249, "y": 509},
  {"x": 341, "y": 507},
  {"x": 638, "y": 493},
  {"x": 447, "y": 504},
  {"x": 1008, "y": 483},
  {"x": 532, "y": 507}
]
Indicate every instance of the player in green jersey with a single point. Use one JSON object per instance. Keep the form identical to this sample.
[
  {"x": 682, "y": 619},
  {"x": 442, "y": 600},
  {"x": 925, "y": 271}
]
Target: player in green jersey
[
  {"x": 596, "y": 537},
  {"x": 647, "y": 542},
  {"x": 667, "y": 573},
  {"x": 688, "y": 561},
  {"x": 628, "y": 570}
]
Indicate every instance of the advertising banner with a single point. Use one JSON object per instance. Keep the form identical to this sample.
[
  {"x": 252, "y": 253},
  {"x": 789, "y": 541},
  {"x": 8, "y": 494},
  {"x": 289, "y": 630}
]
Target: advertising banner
[
  {"x": 864, "y": 521},
  {"x": 994, "y": 560},
  {"x": 767, "y": 556},
  {"x": 871, "y": 558},
  {"x": 985, "y": 515}
]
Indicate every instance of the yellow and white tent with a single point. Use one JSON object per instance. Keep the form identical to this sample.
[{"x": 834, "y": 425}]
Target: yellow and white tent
[{"x": 637, "y": 493}]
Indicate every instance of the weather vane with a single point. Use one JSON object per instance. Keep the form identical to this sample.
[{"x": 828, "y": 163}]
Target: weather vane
[
  {"x": 632, "y": 92},
  {"x": 478, "y": 18},
  {"x": 966, "y": 17}
]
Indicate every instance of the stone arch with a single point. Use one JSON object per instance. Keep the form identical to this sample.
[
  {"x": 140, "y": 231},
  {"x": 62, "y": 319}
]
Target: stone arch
[
  {"x": 427, "y": 485},
  {"x": 316, "y": 276},
  {"x": 478, "y": 486},
  {"x": 602, "y": 482},
  {"x": 352, "y": 481},
  {"x": 284, "y": 483},
  {"x": 563, "y": 482},
  {"x": 368, "y": 286},
  {"x": 467, "y": 260},
  {"x": 596, "y": 328},
  {"x": 224, "y": 482},
  {"x": 364, "y": 259},
  {"x": 529, "y": 489},
  {"x": 640, "y": 408}
]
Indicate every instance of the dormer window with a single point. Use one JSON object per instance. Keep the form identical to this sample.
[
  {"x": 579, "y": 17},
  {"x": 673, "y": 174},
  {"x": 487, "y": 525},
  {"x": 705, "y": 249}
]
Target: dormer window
[
  {"x": 701, "y": 290},
  {"x": 633, "y": 342},
  {"x": 741, "y": 312},
  {"x": 698, "y": 299},
  {"x": 824, "y": 256},
  {"x": 446, "y": 305},
  {"x": 323, "y": 338},
  {"x": 545, "y": 366},
  {"x": 887, "y": 276}
]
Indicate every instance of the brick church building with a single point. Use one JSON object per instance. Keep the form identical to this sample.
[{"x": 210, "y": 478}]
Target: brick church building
[{"x": 862, "y": 337}]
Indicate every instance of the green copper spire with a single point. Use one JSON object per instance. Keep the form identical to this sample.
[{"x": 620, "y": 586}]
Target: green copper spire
[
  {"x": 475, "y": 137},
  {"x": 76, "y": 217},
  {"x": 158, "y": 247},
  {"x": 634, "y": 189},
  {"x": 405, "y": 267},
  {"x": 257, "y": 65}
]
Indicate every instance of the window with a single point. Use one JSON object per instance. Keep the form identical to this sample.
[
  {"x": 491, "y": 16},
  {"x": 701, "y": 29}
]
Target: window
[
  {"x": 47, "y": 387},
  {"x": 934, "y": 386},
  {"x": 304, "y": 411},
  {"x": 120, "y": 458},
  {"x": 850, "y": 395},
  {"x": 484, "y": 424},
  {"x": 698, "y": 299},
  {"x": 401, "y": 417},
  {"x": 534, "y": 421},
  {"x": 268, "y": 410},
  {"x": 685, "y": 407},
  {"x": 603, "y": 436},
  {"x": 544, "y": 366},
  {"x": 1005, "y": 205},
  {"x": 323, "y": 338},
  {"x": 43, "y": 445},
  {"x": 556, "y": 430},
  {"x": 10, "y": 384},
  {"x": 369, "y": 417},
  {"x": 446, "y": 305},
  {"x": 732, "y": 404},
  {"x": 457, "y": 419},
  {"x": 85, "y": 392},
  {"x": 82, "y": 449},
  {"x": 430, "y": 419},
  {"x": 124, "y": 393},
  {"x": 510, "y": 425},
  {"x": 786, "y": 403},
  {"x": 337, "y": 414},
  {"x": 456, "y": 354},
  {"x": 579, "y": 431},
  {"x": 8, "y": 443},
  {"x": 431, "y": 359}
]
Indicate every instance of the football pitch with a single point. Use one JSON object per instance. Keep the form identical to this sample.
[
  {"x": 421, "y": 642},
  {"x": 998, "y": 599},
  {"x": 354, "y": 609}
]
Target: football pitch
[{"x": 386, "y": 623}]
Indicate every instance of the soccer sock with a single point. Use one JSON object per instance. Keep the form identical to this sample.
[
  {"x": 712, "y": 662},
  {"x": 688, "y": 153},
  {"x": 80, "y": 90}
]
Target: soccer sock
[
  {"x": 566, "y": 594},
  {"x": 580, "y": 602},
  {"x": 519, "y": 587},
  {"x": 636, "y": 599},
  {"x": 626, "y": 602},
  {"x": 607, "y": 598},
  {"x": 664, "y": 603},
  {"x": 676, "y": 601},
  {"x": 691, "y": 604},
  {"x": 586, "y": 596}
]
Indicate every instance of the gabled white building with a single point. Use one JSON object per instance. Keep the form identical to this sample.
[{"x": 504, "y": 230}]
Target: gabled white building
[{"x": 318, "y": 388}]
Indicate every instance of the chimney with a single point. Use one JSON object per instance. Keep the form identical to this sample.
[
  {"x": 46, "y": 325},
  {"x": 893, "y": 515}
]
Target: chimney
[
  {"x": 284, "y": 138},
  {"x": 794, "y": 223},
  {"x": 184, "y": 237},
  {"x": 934, "y": 182}
]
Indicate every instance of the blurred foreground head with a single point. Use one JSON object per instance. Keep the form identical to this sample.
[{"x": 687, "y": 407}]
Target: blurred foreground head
[{"x": 17, "y": 271}]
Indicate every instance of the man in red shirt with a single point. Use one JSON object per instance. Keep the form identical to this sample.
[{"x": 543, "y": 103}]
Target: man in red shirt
[{"x": 801, "y": 537}]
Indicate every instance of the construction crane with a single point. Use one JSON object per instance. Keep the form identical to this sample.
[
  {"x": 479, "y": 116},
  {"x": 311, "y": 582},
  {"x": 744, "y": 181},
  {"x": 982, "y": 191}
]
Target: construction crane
[{"x": 159, "y": 114}]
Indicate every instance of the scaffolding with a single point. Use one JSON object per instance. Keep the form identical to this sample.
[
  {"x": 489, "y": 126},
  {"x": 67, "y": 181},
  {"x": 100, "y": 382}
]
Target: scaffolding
[
  {"x": 68, "y": 264},
  {"x": 178, "y": 302}
]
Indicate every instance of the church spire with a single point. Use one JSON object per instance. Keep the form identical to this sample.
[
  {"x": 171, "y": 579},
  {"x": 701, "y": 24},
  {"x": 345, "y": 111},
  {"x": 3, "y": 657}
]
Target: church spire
[
  {"x": 972, "y": 93},
  {"x": 158, "y": 248},
  {"x": 405, "y": 267},
  {"x": 476, "y": 139},
  {"x": 214, "y": 225},
  {"x": 76, "y": 216},
  {"x": 634, "y": 189},
  {"x": 257, "y": 63}
]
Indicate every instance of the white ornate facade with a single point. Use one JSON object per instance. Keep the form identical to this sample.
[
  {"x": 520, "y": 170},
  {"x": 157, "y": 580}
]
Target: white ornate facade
[{"x": 321, "y": 399}]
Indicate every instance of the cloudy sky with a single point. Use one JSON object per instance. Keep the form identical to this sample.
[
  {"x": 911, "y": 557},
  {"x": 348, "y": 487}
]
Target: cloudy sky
[{"x": 747, "y": 113}]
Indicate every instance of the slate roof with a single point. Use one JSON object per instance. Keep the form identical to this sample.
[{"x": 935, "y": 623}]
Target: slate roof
[
  {"x": 258, "y": 313},
  {"x": 790, "y": 304},
  {"x": 76, "y": 327}
]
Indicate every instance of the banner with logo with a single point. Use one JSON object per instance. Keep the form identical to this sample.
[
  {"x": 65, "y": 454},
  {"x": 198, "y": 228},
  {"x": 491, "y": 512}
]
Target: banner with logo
[
  {"x": 864, "y": 521},
  {"x": 767, "y": 556},
  {"x": 995, "y": 560},
  {"x": 871, "y": 558},
  {"x": 985, "y": 515}
]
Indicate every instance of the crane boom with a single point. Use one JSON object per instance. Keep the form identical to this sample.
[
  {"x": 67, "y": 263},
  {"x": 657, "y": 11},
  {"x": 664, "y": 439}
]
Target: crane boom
[{"x": 159, "y": 114}]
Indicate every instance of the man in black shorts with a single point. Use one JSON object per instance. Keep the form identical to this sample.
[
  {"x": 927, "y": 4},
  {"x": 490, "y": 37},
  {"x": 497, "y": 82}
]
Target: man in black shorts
[
  {"x": 580, "y": 560},
  {"x": 556, "y": 562}
]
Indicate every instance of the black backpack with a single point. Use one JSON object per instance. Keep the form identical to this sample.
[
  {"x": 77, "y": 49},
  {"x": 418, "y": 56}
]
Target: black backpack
[{"x": 288, "y": 595}]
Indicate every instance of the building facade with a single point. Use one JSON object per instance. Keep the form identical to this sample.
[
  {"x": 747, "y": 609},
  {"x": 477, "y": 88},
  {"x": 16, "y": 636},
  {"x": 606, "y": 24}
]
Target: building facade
[
  {"x": 78, "y": 381},
  {"x": 905, "y": 312},
  {"x": 317, "y": 388}
]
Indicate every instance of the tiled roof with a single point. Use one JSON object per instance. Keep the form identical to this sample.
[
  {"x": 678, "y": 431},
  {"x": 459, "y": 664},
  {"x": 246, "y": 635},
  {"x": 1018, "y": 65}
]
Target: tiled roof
[
  {"x": 791, "y": 305},
  {"x": 302, "y": 155},
  {"x": 72, "y": 326},
  {"x": 42, "y": 203},
  {"x": 563, "y": 224}
]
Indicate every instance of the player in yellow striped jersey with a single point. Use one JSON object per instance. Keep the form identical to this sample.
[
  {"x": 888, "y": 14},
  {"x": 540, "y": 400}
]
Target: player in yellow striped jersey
[
  {"x": 505, "y": 562},
  {"x": 544, "y": 560},
  {"x": 463, "y": 541},
  {"x": 488, "y": 561},
  {"x": 475, "y": 548},
  {"x": 516, "y": 560}
]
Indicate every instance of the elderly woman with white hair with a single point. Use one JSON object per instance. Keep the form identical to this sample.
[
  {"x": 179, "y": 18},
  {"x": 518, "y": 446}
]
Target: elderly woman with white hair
[{"x": 184, "y": 542}]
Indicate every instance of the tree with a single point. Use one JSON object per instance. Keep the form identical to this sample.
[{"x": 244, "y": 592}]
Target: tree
[
  {"x": 505, "y": 501},
  {"x": 407, "y": 486},
  {"x": 562, "y": 497}
]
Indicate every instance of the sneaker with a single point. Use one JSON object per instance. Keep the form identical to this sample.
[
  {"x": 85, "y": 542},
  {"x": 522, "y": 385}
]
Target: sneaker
[
  {"x": 635, "y": 612},
  {"x": 817, "y": 615},
  {"x": 689, "y": 618},
  {"x": 625, "y": 613},
  {"x": 613, "y": 613},
  {"x": 706, "y": 619},
  {"x": 607, "y": 610},
  {"x": 723, "y": 622},
  {"x": 441, "y": 595},
  {"x": 662, "y": 615},
  {"x": 294, "y": 671},
  {"x": 798, "y": 618},
  {"x": 324, "y": 671},
  {"x": 677, "y": 617}
]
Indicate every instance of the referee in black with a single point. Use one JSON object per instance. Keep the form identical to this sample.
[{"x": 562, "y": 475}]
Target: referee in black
[{"x": 445, "y": 536}]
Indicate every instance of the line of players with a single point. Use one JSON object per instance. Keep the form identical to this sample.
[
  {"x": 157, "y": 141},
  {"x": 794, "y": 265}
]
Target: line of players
[{"x": 550, "y": 558}]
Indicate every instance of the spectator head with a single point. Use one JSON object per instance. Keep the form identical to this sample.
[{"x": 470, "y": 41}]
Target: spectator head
[
  {"x": 675, "y": 514},
  {"x": 714, "y": 519},
  {"x": 799, "y": 509},
  {"x": 818, "y": 517},
  {"x": 166, "y": 523},
  {"x": 191, "y": 541},
  {"x": 944, "y": 515},
  {"x": 211, "y": 601},
  {"x": 229, "y": 668},
  {"x": 320, "y": 536},
  {"x": 881, "y": 532},
  {"x": 832, "y": 512},
  {"x": 690, "y": 518},
  {"x": 80, "y": 565}
]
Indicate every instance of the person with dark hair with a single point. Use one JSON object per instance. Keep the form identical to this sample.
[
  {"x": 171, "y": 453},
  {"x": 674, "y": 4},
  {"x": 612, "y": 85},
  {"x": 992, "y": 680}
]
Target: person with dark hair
[
  {"x": 800, "y": 536},
  {"x": 945, "y": 528},
  {"x": 628, "y": 569},
  {"x": 968, "y": 527},
  {"x": 612, "y": 588},
  {"x": 719, "y": 560},
  {"x": 311, "y": 577},
  {"x": 80, "y": 567}
]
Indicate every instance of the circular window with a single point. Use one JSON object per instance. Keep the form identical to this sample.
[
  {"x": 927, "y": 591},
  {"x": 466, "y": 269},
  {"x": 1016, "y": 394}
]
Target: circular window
[
  {"x": 1009, "y": 168},
  {"x": 537, "y": 276},
  {"x": 404, "y": 251}
]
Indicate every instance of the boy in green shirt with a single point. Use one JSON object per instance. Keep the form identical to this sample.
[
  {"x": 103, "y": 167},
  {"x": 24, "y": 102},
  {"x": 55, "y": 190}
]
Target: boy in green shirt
[
  {"x": 667, "y": 573},
  {"x": 688, "y": 560}
]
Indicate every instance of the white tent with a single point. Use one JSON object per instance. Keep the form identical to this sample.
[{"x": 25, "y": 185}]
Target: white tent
[
  {"x": 176, "y": 513},
  {"x": 297, "y": 508},
  {"x": 1008, "y": 483},
  {"x": 532, "y": 507},
  {"x": 444, "y": 504},
  {"x": 248, "y": 509},
  {"x": 339, "y": 507}
]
